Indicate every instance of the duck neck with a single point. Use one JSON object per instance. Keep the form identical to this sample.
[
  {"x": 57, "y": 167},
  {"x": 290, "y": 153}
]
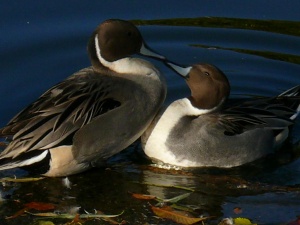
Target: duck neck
[
  {"x": 127, "y": 65},
  {"x": 206, "y": 105},
  {"x": 93, "y": 54}
]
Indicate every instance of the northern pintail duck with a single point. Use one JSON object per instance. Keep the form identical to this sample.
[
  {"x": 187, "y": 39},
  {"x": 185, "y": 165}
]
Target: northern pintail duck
[
  {"x": 204, "y": 130},
  {"x": 93, "y": 114}
]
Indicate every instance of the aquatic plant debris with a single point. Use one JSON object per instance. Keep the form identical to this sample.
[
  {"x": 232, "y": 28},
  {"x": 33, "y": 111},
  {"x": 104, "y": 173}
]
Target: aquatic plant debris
[
  {"x": 40, "y": 206},
  {"x": 43, "y": 222},
  {"x": 143, "y": 196},
  {"x": 236, "y": 221},
  {"x": 153, "y": 197},
  {"x": 20, "y": 180},
  {"x": 71, "y": 216},
  {"x": 177, "y": 198},
  {"x": 181, "y": 217},
  {"x": 111, "y": 220},
  {"x": 170, "y": 186}
]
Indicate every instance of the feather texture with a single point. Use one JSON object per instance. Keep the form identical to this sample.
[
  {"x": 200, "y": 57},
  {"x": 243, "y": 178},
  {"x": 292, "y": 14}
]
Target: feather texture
[{"x": 54, "y": 117}]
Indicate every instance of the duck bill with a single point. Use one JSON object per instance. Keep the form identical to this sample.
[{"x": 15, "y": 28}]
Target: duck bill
[
  {"x": 180, "y": 70},
  {"x": 146, "y": 51}
]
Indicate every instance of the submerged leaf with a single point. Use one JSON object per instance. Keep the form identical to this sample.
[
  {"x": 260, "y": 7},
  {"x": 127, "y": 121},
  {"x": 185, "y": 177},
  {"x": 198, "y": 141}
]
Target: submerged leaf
[{"x": 175, "y": 215}]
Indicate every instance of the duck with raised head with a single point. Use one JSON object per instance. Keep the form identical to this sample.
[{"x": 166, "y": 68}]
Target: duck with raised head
[
  {"x": 204, "y": 130},
  {"x": 93, "y": 114}
]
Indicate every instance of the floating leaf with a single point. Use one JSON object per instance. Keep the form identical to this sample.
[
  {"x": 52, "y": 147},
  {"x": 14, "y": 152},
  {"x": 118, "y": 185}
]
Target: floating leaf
[
  {"x": 177, "y": 198},
  {"x": 71, "y": 216},
  {"x": 242, "y": 221},
  {"x": 41, "y": 206},
  {"x": 175, "y": 215},
  {"x": 143, "y": 197},
  {"x": 20, "y": 180},
  {"x": 33, "y": 205}
]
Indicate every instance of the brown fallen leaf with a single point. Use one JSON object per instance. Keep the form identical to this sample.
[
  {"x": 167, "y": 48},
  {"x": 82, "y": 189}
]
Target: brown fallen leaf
[
  {"x": 143, "y": 197},
  {"x": 41, "y": 206},
  {"x": 181, "y": 217},
  {"x": 17, "y": 214}
]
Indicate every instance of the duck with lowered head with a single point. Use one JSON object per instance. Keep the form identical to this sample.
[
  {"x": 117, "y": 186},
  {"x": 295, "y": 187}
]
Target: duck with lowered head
[
  {"x": 203, "y": 130},
  {"x": 93, "y": 114}
]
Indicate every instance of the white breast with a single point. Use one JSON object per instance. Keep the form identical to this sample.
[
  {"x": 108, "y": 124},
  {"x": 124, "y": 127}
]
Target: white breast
[{"x": 155, "y": 146}]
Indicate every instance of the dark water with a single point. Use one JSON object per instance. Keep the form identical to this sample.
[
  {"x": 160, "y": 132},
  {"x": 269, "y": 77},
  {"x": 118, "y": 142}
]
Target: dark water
[{"x": 256, "y": 44}]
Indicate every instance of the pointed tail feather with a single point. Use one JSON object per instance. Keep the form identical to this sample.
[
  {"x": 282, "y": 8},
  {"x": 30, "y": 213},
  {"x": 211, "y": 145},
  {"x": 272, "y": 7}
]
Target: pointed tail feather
[
  {"x": 293, "y": 94},
  {"x": 294, "y": 91},
  {"x": 7, "y": 163}
]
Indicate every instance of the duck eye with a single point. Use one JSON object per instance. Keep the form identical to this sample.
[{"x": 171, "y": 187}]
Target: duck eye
[{"x": 206, "y": 73}]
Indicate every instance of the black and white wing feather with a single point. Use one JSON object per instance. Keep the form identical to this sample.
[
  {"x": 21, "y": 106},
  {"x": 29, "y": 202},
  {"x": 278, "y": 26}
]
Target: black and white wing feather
[
  {"x": 275, "y": 113},
  {"x": 54, "y": 118}
]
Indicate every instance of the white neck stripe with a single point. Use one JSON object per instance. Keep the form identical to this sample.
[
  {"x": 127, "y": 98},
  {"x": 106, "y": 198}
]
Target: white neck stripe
[
  {"x": 98, "y": 52},
  {"x": 125, "y": 65},
  {"x": 110, "y": 65}
]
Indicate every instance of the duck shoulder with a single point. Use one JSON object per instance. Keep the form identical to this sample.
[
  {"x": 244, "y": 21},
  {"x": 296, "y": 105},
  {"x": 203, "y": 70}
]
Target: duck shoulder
[{"x": 55, "y": 116}]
